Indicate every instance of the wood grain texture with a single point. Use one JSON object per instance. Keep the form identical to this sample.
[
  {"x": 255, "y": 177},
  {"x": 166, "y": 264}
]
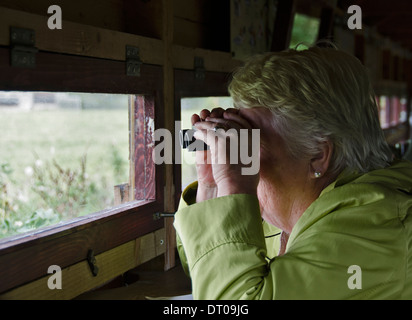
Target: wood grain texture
[
  {"x": 77, "y": 279},
  {"x": 144, "y": 168},
  {"x": 79, "y": 39},
  {"x": 26, "y": 258}
]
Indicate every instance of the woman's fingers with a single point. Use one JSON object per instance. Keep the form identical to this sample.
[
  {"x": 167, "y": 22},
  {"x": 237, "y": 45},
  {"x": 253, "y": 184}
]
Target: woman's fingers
[
  {"x": 202, "y": 128},
  {"x": 231, "y": 121},
  {"x": 217, "y": 113},
  {"x": 218, "y": 118},
  {"x": 195, "y": 119},
  {"x": 204, "y": 114}
]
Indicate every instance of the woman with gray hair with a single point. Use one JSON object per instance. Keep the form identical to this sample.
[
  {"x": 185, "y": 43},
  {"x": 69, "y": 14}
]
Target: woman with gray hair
[{"x": 328, "y": 215}]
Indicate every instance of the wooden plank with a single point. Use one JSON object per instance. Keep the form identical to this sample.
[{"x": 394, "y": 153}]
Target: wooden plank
[
  {"x": 151, "y": 246},
  {"x": 150, "y": 284},
  {"x": 215, "y": 61},
  {"x": 102, "y": 14},
  {"x": 55, "y": 72},
  {"x": 191, "y": 10},
  {"x": 96, "y": 42},
  {"x": 202, "y": 24},
  {"x": 131, "y": 16},
  {"x": 138, "y": 148},
  {"x": 78, "y": 279},
  {"x": 168, "y": 98},
  {"x": 326, "y": 23},
  {"x": 143, "y": 168},
  {"x": 121, "y": 194},
  {"x": 80, "y": 39},
  {"x": 387, "y": 68},
  {"x": 283, "y": 24},
  {"x": 31, "y": 262},
  {"x": 189, "y": 33},
  {"x": 143, "y": 18}
]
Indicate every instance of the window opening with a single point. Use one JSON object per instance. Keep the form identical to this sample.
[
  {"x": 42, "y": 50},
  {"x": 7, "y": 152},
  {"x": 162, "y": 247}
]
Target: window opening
[
  {"x": 61, "y": 154},
  {"x": 190, "y": 106},
  {"x": 305, "y": 31}
]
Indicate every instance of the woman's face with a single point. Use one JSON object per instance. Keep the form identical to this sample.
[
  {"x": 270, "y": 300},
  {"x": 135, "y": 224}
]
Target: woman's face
[{"x": 285, "y": 188}]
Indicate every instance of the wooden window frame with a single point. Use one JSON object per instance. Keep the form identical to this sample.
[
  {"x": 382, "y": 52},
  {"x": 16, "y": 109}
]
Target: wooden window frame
[
  {"x": 25, "y": 258},
  {"x": 213, "y": 84}
]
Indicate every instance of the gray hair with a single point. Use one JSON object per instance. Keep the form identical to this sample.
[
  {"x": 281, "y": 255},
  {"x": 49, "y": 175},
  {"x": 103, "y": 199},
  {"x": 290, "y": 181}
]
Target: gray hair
[{"x": 317, "y": 95}]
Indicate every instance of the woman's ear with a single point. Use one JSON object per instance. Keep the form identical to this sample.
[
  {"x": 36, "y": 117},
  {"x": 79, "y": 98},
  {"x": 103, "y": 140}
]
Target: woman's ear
[{"x": 320, "y": 164}]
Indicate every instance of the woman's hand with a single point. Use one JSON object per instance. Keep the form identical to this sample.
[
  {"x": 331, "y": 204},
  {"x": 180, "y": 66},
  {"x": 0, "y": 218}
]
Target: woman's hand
[
  {"x": 217, "y": 176},
  {"x": 207, "y": 188}
]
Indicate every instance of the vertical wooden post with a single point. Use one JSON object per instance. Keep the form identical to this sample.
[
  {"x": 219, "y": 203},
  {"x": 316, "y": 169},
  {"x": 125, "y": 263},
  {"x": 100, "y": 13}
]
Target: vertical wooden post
[
  {"x": 408, "y": 76},
  {"x": 142, "y": 168},
  {"x": 326, "y": 23},
  {"x": 168, "y": 91},
  {"x": 132, "y": 124},
  {"x": 121, "y": 194},
  {"x": 283, "y": 25}
]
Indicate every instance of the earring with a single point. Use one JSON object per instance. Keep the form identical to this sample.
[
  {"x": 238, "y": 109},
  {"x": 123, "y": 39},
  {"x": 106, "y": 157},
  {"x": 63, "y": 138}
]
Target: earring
[{"x": 318, "y": 175}]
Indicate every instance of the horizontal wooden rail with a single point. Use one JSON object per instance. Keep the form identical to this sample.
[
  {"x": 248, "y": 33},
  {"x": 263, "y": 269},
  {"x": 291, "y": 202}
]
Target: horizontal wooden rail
[
  {"x": 78, "y": 279},
  {"x": 90, "y": 41}
]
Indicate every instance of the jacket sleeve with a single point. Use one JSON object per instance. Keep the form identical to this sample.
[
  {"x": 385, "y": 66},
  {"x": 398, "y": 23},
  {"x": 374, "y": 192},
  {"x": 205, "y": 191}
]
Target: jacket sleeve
[
  {"x": 222, "y": 242},
  {"x": 272, "y": 240}
]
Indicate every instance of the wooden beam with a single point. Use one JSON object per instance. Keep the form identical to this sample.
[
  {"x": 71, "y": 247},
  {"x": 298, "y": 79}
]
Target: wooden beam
[
  {"x": 78, "y": 279},
  {"x": 326, "y": 23},
  {"x": 142, "y": 166},
  {"x": 378, "y": 7},
  {"x": 89, "y": 41},
  {"x": 283, "y": 25},
  {"x": 79, "y": 39},
  {"x": 183, "y": 58},
  {"x": 168, "y": 98},
  {"x": 121, "y": 194}
]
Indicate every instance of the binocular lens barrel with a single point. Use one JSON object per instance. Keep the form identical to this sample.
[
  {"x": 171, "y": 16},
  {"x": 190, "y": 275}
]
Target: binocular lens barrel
[{"x": 189, "y": 142}]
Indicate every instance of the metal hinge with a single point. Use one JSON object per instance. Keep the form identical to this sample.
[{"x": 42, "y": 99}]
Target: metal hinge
[
  {"x": 199, "y": 68},
  {"x": 160, "y": 215},
  {"x": 23, "y": 50},
  {"x": 133, "y": 61}
]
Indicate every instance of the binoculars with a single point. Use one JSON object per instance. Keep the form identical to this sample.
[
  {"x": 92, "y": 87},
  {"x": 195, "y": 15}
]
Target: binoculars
[{"x": 189, "y": 142}]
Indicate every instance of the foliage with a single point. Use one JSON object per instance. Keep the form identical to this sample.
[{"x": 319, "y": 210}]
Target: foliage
[
  {"x": 56, "y": 194},
  {"x": 305, "y": 31},
  {"x": 65, "y": 191},
  {"x": 56, "y": 165}
]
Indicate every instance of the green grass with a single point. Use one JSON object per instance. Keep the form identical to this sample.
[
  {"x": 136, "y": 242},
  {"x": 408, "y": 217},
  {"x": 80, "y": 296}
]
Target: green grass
[
  {"x": 51, "y": 159},
  {"x": 61, "y": 134}
]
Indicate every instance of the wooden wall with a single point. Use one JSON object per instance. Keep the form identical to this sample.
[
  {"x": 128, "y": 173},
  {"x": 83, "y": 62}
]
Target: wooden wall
[
  {"x": 169, "y": 34},
  {"x": 198, "y": 24}
]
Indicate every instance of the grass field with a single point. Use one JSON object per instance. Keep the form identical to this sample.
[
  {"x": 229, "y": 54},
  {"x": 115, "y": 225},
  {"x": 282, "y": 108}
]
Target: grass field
[{"x": 55, "y": 165}]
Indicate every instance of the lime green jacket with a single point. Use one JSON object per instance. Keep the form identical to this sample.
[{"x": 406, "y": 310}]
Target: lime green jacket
[{"x": 353, "y": 242}]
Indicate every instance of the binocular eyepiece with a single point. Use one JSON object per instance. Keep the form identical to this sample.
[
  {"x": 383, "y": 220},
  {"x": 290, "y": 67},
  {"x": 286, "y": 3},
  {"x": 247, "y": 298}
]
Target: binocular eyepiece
[{"x": 189, "y": 142}]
